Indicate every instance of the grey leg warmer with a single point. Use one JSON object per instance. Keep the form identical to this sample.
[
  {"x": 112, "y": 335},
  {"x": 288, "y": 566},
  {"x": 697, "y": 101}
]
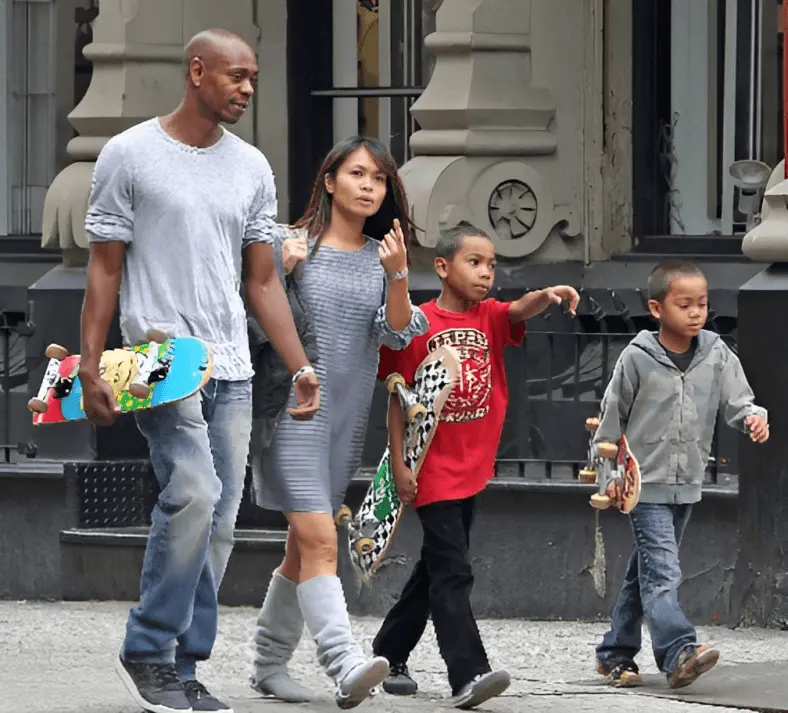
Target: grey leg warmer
[
  {"x": 280, "y": 625},
  {"x": 325, "y": 613}
]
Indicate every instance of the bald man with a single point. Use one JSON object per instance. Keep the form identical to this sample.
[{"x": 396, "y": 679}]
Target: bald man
[{"x": 181, "y": 212}]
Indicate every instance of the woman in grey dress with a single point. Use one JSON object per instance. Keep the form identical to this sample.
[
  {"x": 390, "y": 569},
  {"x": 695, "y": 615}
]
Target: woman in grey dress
[{"x": 356, "y": 292}]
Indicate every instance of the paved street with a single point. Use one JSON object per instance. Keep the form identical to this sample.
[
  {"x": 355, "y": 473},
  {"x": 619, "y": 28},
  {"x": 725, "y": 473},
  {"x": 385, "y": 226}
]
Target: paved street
[{"x": 58, "y": 658}]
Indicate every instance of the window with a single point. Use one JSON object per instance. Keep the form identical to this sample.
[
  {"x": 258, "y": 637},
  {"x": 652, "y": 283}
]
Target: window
[
  {"x": 29, "y": 39},
  {"x": 355, "y": 66},
  {"x": 706, "y": 93}
]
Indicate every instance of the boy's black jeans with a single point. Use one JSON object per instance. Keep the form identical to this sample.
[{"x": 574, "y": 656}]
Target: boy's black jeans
[{"x": 440, "y": 585}]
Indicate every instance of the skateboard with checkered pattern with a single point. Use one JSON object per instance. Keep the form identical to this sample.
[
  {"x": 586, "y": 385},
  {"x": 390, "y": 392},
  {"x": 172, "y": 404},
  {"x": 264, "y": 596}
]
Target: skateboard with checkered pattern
[
  {"x": 372, "y": 528},
  {"x": 159, "y": 372},
  {"x": 614, "y": 468}
]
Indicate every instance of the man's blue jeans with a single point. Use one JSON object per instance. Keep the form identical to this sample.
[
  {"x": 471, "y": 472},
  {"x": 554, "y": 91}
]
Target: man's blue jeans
[
  {"x": 651, "y": 590},
  {"x": 199, "y": 449}
]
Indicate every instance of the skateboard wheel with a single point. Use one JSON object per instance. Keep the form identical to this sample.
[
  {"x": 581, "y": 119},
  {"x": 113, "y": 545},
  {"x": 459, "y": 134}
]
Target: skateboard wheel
[
  {"x": 37, "y": 405},
  {"x": 592, "y": 424},
  {"x": 415, "y": 411},
  {"x": 156, "y": 335},
  {"x": 587, "y": 476},
  {"x": 600, "y": 502},
  {"x": 55, "y": 351},
  {"x": 139, "y": 391},
  {"x": 365, "y": 546},
  {"x": 344, "y": 516},
  {"x": 392, "y": 380},
  {"x": 607, "y": 450}
]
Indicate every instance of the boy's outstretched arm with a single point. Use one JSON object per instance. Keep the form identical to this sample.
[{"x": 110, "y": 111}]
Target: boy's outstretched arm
[
  {"x": 617, "y": 401},
  {"x": 532, "y": 303},
  {"x": 403, "y": 477},
  {"x": 738, "y": 402}
]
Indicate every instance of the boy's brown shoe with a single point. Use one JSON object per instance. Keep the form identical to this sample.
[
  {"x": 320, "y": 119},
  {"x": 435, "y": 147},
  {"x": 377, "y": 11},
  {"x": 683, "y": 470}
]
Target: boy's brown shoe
[
  {"x": 623, "y": 675},
  {"x": 692, "y": 664}
]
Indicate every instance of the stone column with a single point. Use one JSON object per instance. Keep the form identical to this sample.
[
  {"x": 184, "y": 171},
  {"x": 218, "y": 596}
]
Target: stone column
[
  {"x": 138, "y": 73},
  {"x": 759, "y": 595},
  {"x": 486, "y": 149}
]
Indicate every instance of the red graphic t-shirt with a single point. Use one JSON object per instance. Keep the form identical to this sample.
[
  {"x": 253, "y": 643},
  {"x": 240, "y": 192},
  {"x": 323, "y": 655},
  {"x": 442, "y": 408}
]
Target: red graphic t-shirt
[{"x": 461, "y": 458}]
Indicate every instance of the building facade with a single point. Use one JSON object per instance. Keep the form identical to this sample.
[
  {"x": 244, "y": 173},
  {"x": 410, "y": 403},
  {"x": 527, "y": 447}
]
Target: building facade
[
  {"x": 614, "y": 138},
  {"x": 579, "y": 133}
]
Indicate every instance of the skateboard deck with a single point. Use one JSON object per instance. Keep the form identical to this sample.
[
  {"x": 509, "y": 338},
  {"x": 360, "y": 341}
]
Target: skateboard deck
[
  {"x": 158, "y": 372},
  {"x": 615, "y": 469},
  {"x": 372, "y": 528}
]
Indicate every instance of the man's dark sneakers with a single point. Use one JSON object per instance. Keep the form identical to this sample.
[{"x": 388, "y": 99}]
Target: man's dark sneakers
[
  {"x": 155, "y": 687},
  {"x": 399, "y": 682},
  {"x": 202, "y": 701}
]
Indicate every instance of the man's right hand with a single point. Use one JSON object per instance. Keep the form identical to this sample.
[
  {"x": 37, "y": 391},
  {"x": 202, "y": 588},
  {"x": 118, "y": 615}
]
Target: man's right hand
[
  {"x": 307, "y": 394},
  {"x": 99, "y": 400},
  {"x": 405, "y": 484}
]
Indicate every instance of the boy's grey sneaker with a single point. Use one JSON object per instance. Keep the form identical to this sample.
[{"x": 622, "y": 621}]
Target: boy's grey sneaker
[
  {"x": 155, "y": 687},
  {"x": 623, "y": 675},
  {"x": 482, "y": 688},
  {"x": 201, "y": 699},
  {"x": 399, "y": 681}
]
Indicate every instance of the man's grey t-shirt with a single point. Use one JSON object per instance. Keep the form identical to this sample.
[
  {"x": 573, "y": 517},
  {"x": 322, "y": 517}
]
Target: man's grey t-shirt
[{"x": 186, "y": 215}]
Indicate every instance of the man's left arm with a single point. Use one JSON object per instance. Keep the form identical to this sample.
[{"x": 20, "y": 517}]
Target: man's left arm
[{"x": 532, "y": 303}]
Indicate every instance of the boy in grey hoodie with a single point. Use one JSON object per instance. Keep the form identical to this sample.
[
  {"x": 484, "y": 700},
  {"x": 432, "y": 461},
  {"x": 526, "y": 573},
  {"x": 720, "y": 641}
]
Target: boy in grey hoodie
[{"x": 665, "y": 392}]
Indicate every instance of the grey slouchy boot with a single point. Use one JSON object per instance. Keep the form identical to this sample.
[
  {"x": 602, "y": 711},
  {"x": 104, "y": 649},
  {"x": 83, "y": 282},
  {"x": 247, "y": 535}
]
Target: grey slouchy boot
[
  {"x": 325, "y": 613},
  {"x": 280, "y": 625}
]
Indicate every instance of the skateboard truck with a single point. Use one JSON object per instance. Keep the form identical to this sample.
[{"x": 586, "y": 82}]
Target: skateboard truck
[
  {"x": 395, "y": 384},
  {"x": 55, "y": 353},
  {"x": 608, "y": 452},
  {"x": 587, "y": 475},
  {"x": 343, "y": 516},
  {"x": 364, "y": 545}
]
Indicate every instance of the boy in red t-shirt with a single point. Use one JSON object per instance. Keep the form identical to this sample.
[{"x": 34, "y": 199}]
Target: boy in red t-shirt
[{"x": 458, "y": 464}]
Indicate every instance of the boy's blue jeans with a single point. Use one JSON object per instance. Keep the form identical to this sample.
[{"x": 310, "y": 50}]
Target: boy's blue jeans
[
  {"x": 198, "y": 448},
  {"x": 651, "y": 590}
]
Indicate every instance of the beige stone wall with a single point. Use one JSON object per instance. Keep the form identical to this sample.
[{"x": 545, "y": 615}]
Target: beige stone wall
[
  {"x": 513, "y": 128},
  {"x": 564, "y": 78},
  {"x": 582, "y": 52}
]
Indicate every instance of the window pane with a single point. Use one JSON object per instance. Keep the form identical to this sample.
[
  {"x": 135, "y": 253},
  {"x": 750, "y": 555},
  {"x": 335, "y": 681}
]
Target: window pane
[{"x": 710, "y": 106}]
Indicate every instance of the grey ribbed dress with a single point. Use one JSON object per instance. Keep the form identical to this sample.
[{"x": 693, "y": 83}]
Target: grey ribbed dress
[{"x": 312, "y": 462}]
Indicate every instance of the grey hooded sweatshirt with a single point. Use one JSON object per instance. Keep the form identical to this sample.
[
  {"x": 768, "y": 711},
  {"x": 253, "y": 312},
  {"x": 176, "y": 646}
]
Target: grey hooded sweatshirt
[{"x": 669, "y": 416}]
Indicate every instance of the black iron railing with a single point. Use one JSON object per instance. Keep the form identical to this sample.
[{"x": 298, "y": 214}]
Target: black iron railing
[{"x": 556, "y": 381}]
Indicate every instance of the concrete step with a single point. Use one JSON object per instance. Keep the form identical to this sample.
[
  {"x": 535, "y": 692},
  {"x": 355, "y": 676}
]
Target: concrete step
[{"x": 105, "y": 564}]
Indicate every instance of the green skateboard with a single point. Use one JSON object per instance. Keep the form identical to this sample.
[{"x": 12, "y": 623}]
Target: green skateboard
[{"x": 371, "y": 530}]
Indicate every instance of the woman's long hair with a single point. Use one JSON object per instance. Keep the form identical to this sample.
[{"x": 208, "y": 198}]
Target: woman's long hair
[{"x": 317, "y": 216}]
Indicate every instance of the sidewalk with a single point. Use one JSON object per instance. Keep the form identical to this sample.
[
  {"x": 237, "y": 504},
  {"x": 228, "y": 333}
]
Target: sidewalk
[{"x": 58, "y": 658}]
